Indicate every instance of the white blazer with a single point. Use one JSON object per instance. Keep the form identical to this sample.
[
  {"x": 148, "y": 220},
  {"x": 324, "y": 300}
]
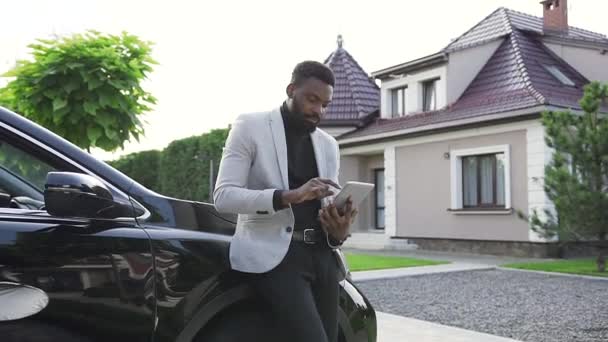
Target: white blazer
[{"x": 253, "y": 166}]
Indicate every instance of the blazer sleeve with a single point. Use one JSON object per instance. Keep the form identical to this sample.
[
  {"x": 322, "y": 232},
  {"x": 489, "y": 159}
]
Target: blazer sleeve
[{"x": 230, "y": 194}]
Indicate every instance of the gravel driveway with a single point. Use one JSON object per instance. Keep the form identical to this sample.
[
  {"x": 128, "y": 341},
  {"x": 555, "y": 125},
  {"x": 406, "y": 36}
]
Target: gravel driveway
[{"x": 520, "y": 305}]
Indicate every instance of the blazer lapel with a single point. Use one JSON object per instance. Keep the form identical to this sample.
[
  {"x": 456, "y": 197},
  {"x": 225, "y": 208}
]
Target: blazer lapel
[
  {"x": 280, "y": 144},
  {"x": 319, "y": 149}
]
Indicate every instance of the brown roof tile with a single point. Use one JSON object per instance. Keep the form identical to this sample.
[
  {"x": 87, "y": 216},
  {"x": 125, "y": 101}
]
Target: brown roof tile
[
  {"x": 356, "y": 96},
  {"x": 514, "y": 78}
]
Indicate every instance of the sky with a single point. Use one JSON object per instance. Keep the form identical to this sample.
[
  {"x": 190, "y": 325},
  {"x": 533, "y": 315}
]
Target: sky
[{"x": 218, "y": 59}]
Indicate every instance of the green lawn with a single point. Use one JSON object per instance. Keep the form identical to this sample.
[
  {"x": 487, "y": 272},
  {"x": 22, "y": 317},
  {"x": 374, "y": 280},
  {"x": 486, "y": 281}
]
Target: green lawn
[
  {"x": 577, "y": 266},
  {"x": 366, "y": 262}
]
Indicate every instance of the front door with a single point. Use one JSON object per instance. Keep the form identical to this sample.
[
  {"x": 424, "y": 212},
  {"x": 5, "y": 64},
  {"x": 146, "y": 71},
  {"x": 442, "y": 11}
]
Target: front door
[{"x": 379, "y": 198}]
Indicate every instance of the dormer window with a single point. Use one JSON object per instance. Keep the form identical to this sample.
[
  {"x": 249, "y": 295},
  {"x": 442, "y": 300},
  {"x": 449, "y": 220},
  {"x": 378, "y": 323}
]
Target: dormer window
[
  {"x": 398, "y": 101},
  {"x": 559, "y": 75},
  {"x": 429, "y": 95}
]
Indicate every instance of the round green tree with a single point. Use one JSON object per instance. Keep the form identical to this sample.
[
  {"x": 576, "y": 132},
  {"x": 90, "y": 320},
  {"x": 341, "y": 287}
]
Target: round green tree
[{"x": 84, "y": 87}]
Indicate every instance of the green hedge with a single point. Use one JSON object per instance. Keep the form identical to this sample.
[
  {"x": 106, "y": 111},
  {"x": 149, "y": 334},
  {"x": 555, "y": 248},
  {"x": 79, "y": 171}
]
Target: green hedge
[
  {"x": 143, "y": 167},
  {"x": 180, "y": 170}
]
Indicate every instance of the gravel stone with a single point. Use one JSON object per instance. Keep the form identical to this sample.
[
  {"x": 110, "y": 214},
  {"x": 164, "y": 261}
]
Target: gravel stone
[{"x": 524, "y": 306}]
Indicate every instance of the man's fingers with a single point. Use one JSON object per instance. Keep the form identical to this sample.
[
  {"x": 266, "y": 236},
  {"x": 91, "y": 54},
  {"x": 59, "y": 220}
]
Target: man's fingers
[
  {"x": 334, "y": 212},
  {"x": 330, "y": 182},
  {"x": 326, "y": 221},
  {"x": 319, "y": 193},
  {"x": 353, "y": 216},
  {"x": 325, "y": 215},
  {"x": 349, "y": 205},
  {"x": 323, "y": 221}
]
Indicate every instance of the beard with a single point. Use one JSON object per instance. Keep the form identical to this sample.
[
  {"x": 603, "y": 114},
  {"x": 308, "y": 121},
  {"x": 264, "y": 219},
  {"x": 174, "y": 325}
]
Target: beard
[{"x": 299, "y": 118}]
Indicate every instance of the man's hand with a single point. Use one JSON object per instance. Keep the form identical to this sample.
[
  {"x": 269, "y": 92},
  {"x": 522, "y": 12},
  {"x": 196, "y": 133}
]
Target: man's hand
[
  {"x": 316, "y": 188},
  {"x": 337, "y": 223}
]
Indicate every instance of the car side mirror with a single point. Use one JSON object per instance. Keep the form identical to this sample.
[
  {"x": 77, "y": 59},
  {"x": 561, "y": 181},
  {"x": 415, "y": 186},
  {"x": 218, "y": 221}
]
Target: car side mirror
[{"x": 69, "y": 194}]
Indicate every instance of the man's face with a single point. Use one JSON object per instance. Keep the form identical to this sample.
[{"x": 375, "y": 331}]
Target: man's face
[{"x": 310, "y": 99}]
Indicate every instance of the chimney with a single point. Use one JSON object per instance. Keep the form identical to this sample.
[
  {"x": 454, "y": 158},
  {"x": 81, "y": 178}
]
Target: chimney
[{"x": 555, "y": 16}]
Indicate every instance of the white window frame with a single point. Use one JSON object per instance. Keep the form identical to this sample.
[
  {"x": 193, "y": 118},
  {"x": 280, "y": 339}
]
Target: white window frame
[
  {"x": 456, "y": 171},
  {"x": 405, "y": 89},
  {"x": 434, "y": 81},
  {"x": 559, "y": 75}
]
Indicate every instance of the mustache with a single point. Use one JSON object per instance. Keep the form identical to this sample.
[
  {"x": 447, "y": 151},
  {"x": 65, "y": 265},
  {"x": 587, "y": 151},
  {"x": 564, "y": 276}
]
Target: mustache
[{"x": 312, "y": 116}]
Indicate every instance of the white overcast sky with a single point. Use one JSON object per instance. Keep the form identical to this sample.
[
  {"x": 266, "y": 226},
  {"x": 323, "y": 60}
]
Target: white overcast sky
[{"x": 221, "y": 58}]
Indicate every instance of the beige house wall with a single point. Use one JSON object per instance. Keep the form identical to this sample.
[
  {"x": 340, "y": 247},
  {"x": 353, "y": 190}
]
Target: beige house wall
[
  {"x": 423, "y": 192},
  {"x": 465, "y": 65},
  {"x": 592, "y": 63}
]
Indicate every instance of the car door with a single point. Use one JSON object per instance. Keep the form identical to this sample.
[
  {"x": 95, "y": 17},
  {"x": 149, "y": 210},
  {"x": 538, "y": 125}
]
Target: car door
[{"x": 98, "y": 275}]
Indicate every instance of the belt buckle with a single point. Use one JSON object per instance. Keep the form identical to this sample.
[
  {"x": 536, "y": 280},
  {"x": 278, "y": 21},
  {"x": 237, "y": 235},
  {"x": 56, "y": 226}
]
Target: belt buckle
[{"x": 306, "y": 236}]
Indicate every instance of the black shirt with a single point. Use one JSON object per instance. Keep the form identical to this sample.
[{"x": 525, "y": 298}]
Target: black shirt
[{"x": 302, "y": 167}]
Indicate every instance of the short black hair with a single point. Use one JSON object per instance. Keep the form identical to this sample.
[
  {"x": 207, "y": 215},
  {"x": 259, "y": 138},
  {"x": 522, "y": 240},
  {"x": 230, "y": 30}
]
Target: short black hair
[{"x": 308, "y": 69}]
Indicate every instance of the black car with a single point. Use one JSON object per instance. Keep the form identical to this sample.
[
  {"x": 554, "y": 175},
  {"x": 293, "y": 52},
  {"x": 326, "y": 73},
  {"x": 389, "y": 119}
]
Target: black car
[{"x": 88, "y": 254}]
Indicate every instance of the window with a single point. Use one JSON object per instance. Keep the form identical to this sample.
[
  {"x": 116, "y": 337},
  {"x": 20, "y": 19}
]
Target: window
[
  {"x": 483, "y": 181},
  {"x": 480, "y": 178},
  {"x": 559, "y": 75},
  {"x": 23, "y": 170},
  {"x": 379, "y": 189},
  {"x": 23, "y": 165},
  {"x": 398, "y": 101},
  {"x": 429, "y": 95}
]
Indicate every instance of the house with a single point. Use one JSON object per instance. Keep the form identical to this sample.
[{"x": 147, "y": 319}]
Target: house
[{"x": 456, "y": 146}]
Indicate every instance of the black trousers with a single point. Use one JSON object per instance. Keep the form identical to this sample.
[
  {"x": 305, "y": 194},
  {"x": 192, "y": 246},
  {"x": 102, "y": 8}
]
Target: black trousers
[{"x": 302, "y": 293}]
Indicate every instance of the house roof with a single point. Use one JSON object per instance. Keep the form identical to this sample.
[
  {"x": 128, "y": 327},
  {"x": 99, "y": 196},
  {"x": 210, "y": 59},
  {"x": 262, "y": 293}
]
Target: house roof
[
  {"x": 515, "y": 78},
  {"x": 356, "y": 95},
  {"x": 497, "y": 25},
  {"x": 503, "y": 21}
]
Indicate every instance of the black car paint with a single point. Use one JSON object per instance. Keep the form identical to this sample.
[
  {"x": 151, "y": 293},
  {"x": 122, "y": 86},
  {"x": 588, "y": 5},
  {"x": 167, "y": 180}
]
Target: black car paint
[{"x": 159, "y": 277}]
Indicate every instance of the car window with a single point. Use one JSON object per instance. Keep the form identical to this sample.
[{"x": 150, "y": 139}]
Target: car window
[
  {"x": 22, "y": 178},
  {"x": 19, "y": 164},
  {"x": 24, "y": 166}
]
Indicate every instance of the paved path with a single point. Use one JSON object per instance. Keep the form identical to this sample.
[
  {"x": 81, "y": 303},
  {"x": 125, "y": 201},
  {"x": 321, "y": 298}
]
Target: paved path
[
  {"x": 419, "y": 270},
  {"x": 393, "y": 328}
]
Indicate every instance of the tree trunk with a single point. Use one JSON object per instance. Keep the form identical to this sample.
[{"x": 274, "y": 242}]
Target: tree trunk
[{"x": 601, "y": 261}]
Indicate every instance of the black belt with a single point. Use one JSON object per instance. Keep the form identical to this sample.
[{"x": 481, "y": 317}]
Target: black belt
[{"x": 308, "y": 236}]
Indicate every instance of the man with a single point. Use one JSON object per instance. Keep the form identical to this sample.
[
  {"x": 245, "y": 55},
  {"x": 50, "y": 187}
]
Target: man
[{"x": 277, "y": 172}]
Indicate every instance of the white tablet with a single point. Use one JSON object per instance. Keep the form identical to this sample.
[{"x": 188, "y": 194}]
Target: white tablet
[{"x": 358, "y": 192}]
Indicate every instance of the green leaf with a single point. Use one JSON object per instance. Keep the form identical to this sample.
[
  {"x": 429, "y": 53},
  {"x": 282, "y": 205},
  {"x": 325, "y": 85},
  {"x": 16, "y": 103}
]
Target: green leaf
[
  {"x": 51, "y": 93},
  {"x": 58, "y": 115},
  {"x": 74, "y": 65},
  {"x": 105, "y": 119},
  {"x": 90, "y": 107},
  {"x": 104, "y": 100},
  {"x": 59, "y": 103},
  {"x": 117, "y": 84},
  {"x": 71, "y": 86},
  {"x": 93, "y": 133},
  {"x": 93, "y": 83},
  {"x": 110, "y": 133},
  {"x": 80, "y": 84}
]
